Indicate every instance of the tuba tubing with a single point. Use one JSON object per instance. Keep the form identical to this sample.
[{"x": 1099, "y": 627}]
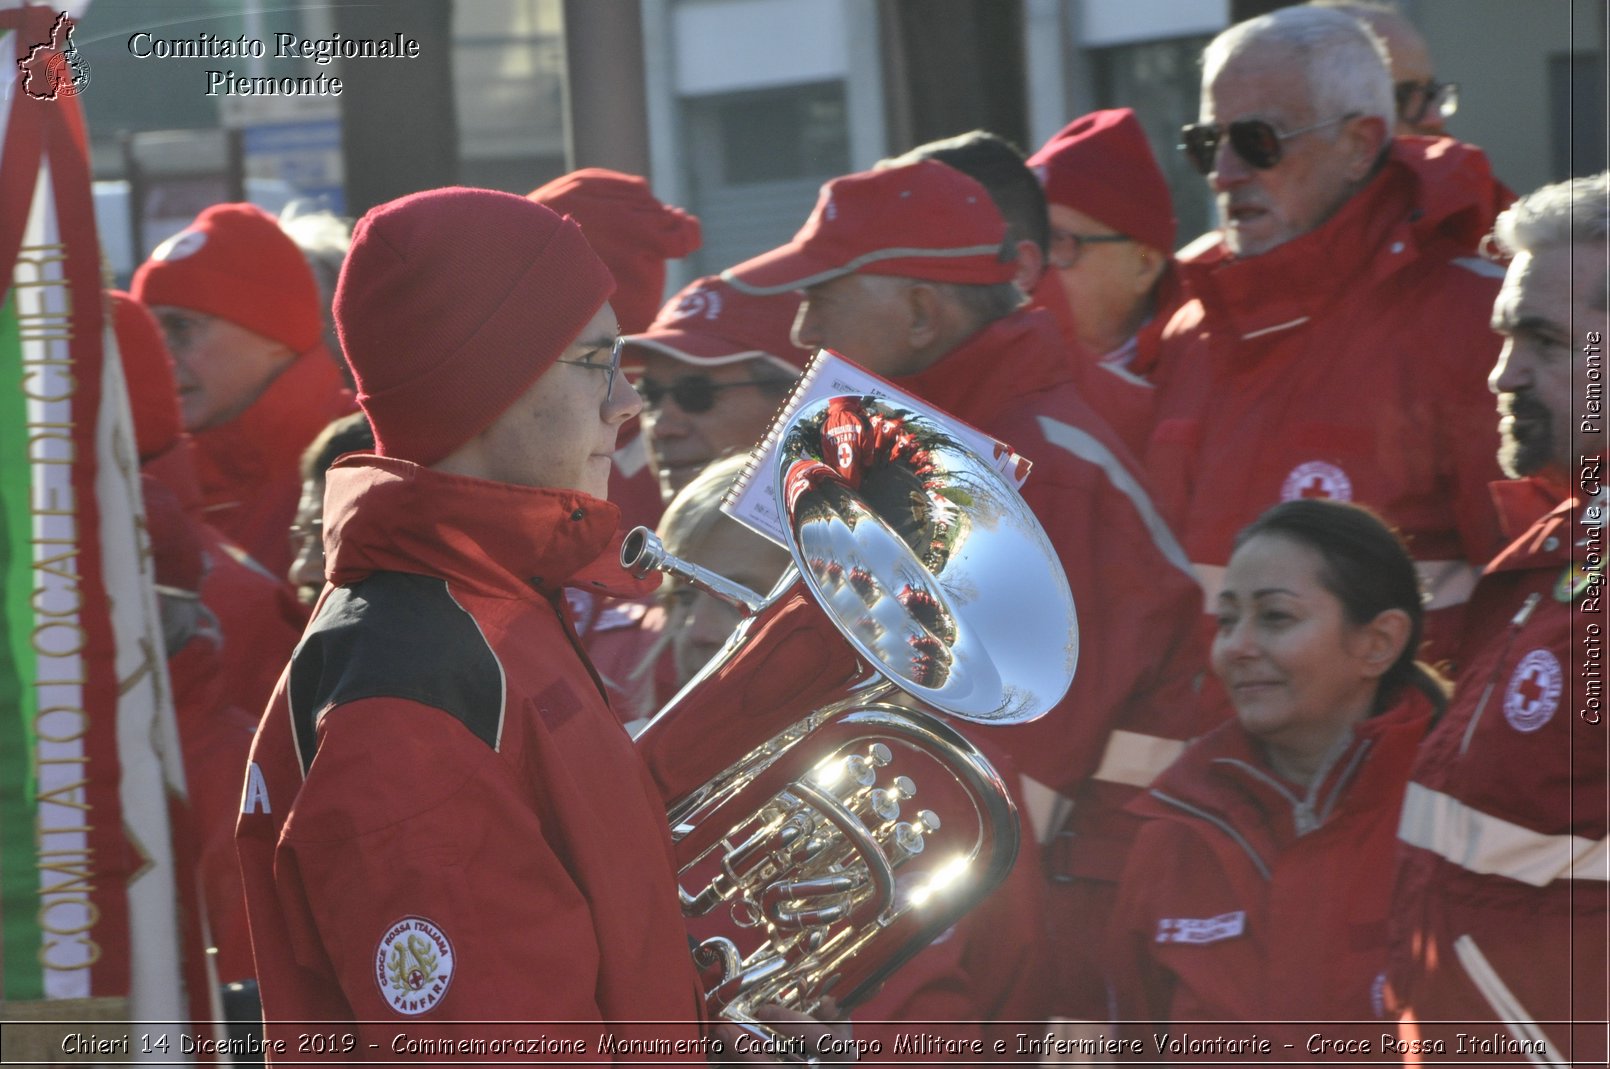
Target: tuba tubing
[
  {"x": 793, "y": 763},
  {"x": 823, "y": 937}
]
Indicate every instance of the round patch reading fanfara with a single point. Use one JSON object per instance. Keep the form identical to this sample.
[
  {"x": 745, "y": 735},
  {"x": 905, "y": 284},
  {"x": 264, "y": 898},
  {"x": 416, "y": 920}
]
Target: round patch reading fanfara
[
  {"x": 1534, "y": 691},
  {"x": 413, "y": 965},
  {"x": 1317, "y": 479}
]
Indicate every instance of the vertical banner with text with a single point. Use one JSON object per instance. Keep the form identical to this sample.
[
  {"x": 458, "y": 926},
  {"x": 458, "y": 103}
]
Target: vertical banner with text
[{"x": 91, "y": 871}]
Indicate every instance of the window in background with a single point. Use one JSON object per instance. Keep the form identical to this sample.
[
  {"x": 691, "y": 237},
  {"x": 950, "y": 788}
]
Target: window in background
[
  {"x": 508, "y": 75},
  {"x": 1576, "y": 114},
  {"x": 755, "y": 162},
  {"x": 1162, "y": 81}
]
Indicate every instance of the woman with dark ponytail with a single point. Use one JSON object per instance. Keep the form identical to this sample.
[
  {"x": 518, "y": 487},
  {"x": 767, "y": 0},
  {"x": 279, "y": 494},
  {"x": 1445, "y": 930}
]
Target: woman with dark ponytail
[{"x": 1258, "y": 891}]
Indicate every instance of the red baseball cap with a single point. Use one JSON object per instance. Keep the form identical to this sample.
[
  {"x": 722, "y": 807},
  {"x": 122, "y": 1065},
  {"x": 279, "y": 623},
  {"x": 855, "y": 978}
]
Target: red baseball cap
[
  {"x": 710, "y": 323},
  {"x": 924, "y": 220},
  {"x": 1102, "y": 165}
]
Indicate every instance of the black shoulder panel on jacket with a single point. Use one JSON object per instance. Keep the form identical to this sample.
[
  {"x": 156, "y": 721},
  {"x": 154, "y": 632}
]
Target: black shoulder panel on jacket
[{"x": 395, "y": 635}]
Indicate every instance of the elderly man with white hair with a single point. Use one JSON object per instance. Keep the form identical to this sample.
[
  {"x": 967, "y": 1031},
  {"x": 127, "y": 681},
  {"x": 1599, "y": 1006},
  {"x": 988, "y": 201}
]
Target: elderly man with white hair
[{"x": 1337, "y": 342}]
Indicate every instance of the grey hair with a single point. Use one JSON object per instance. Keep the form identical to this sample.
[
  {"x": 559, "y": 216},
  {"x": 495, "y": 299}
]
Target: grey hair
[
  {"x": 696, "y": 509},
  {"x": 1573, "y": 212},
  {"x": 985, "y": 304},
  {"x": 1345, "y": 62}
]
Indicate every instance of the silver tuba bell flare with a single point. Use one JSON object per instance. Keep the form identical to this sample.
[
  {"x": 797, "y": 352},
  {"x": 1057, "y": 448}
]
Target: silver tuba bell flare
[{"x": 827, "y": 825}]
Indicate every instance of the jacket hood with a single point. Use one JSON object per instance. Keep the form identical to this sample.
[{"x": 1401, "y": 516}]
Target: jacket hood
[{"x": 386, "y": 514}]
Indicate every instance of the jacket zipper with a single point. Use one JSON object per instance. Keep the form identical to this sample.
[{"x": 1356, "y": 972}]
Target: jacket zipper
[{"x": 1523, "y": 614}]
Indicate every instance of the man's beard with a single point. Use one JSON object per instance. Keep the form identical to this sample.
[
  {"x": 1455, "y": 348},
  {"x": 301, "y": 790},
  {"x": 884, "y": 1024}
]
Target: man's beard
[{"x": 1527, "y": 444}]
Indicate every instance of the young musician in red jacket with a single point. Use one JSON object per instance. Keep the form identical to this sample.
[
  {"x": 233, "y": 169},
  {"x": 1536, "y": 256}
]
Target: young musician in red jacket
[
  {"x": 445, "y": 832},
  {"x": 1504, "y": 858},
  {"x": 1259, "y": 889}
]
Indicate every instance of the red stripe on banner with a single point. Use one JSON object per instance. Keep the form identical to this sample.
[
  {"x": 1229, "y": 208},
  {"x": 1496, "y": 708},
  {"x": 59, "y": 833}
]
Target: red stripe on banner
[
  {"x": 75, "y": 215},
  {"x": 19, "y": 157}
]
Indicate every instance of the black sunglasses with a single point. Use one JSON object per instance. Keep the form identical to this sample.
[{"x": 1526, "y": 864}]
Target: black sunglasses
[
  {"x": 1415, "y": 99},
  {"x": 693, "y": 394},
  {"x": 1254, "y": 140}
]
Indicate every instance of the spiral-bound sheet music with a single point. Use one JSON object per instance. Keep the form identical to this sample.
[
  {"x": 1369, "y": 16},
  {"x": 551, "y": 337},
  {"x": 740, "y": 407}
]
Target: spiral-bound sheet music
[{"x": 752, "y": 501}]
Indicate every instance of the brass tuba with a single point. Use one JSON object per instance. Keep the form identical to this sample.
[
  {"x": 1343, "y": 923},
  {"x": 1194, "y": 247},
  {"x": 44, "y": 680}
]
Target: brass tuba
[{"x": 921, "y": 583}]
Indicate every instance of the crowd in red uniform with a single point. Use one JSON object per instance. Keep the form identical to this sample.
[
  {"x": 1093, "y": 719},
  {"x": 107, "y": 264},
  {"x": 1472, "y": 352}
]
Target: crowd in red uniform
[{"x": 1226, "y": 819}]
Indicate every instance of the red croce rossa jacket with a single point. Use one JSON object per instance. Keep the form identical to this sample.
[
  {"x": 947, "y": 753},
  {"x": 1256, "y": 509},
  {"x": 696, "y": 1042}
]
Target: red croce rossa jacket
[
  {"x": 1246, "y": 899},
  {"x": 1503, "y": 859},
  {"x": 1350, "y": 362},
  {"x": 443, "y": 820},
  {"x": 1132, "y": 703}
]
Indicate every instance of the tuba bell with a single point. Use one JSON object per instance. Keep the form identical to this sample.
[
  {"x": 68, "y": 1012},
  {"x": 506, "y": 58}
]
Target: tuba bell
[{"x": 921, "y": 584}]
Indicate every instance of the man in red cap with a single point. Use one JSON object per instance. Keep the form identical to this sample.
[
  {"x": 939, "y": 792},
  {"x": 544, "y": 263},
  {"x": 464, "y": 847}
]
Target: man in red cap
[
  {"x": 443, "y": 821},
  {"x": 1112, "y": 253},
  {"x": 240, "y": 310},
  {"x": 1336, "y": 339},
  {"x": 634, "y": 233},
  {"x": 716, "y": 364},
  {"x": 904, "y": 271}
]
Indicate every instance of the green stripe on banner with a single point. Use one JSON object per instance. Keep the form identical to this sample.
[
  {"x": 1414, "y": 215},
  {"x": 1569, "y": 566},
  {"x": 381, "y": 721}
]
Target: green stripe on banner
[{"x": 21, "y": 974}]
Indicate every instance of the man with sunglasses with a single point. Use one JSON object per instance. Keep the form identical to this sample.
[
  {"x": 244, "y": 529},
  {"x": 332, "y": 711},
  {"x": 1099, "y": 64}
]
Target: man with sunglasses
[
  {"x": 1336, "y": 341},
  {"x": 444, "y": 832},
  {"x": 716, "y": 364}
]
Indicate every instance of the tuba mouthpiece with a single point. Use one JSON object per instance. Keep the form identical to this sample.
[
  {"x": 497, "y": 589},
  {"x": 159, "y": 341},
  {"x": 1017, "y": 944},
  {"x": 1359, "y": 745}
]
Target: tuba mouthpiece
[{"x": 642, "y": 552}]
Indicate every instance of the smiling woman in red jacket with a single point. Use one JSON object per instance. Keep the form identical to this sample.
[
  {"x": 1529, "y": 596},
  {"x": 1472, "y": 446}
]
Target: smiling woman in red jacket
[{"x": 1258, "y": 892}]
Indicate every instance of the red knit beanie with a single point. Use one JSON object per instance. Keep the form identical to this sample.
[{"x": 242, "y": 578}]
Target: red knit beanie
[
  {"x": 1102, "y": 165},
  {"x": 632, "y": 232},
  {"x": 234, "y": 262},
  {"x": 148, "y": 369},
  {"x": 451, "y": 303}
]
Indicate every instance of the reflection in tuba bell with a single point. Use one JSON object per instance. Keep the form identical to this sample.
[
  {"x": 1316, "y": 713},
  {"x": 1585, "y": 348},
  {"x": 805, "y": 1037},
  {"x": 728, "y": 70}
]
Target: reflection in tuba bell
[{"x": 921, "y": 583}]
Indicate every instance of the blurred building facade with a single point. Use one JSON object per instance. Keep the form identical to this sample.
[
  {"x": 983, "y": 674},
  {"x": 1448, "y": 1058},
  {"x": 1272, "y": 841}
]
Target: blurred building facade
[{"x": 740, "y": 109}]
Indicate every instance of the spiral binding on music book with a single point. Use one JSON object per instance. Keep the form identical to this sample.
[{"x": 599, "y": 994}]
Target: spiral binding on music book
[{"x": 753, "y": 499}]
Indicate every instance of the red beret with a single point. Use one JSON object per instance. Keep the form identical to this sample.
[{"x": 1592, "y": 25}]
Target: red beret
[{"x": 1102, "y": 165}]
